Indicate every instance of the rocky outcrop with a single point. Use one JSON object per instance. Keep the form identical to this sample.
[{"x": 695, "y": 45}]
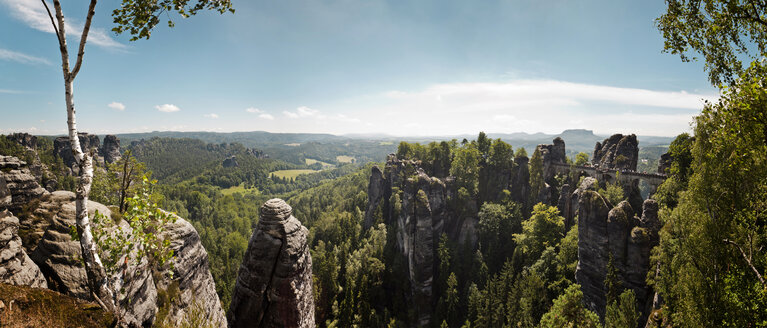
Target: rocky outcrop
[
  {"x": 5, "y": 194},
  {"x": 376, "y": 190},
  {"x": 16, "y": 268},
  {"x": 593, "y": 245},
  {"x": 230, "y": 162},
  {"x": 56, "y": 253},
  {"x": 110, "y": 150},
  {"x": 664, "y": 163},
  {"x": 605, "y": 233},
  {"x": 19, "y": 182},
  {"x": 62, "y": 148},
  {"x": 274, "y": 284},
  {"x": 191, "y": 278},
  {"x": 520, "y": 179},
  {"x": 417, "y": 204},
  {"x": 617, "y": 152},
  {"x": 25, "y": 139}
]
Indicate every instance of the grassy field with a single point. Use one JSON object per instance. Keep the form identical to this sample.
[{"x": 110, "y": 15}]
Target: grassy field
[
  {"x": 310, "y": 161},
  {"x": 240, "y": 189},
  {"x": 291, "y": 173},
  {"x": 385, "y": 143},
  {"x": 344, "y": 159}
]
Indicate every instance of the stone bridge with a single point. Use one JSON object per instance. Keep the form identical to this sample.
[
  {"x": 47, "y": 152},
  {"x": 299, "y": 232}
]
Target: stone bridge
[{"x": 608, "y": 175}]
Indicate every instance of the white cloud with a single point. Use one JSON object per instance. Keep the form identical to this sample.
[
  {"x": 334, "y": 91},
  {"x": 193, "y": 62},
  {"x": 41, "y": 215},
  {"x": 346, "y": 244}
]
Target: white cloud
[
  {"x": 10, "y": 91},
  {"x": 116, "y": 105},
  {"x": 33, "y": 14},
  {"x": 211, "y": 115},
  {"x": 253, "y": 110},
  {"x": 18, "y": 57},
  {"x": 304, "y": 112},
  {"x": 266, "y": 116},
  {"x": 344, "y": 118},
  {"x": 167, "y": 108}
]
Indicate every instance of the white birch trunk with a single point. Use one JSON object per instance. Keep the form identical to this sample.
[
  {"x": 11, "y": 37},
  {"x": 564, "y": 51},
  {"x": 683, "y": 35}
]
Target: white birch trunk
[{"x": 97, "y": 278}]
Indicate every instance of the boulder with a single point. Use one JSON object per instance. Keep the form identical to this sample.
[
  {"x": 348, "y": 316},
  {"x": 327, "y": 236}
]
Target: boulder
[
  {"x": 16, "y": 268},
  {"x": 274, "y": 283}
]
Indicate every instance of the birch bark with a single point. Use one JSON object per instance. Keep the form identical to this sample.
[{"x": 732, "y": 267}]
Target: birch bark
[{"x": 97, "y": 278}]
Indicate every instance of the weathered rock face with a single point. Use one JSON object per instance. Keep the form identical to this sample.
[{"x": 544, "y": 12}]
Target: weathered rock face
[
  {"x": 555, "y": 152},
  {"x": 16, "y": 268},
  {"x": 110, "y": 150},
  {"x": 617, "y": 152},
  {"x": 520, "y": 180},
  {"x": 56, "y": 253},
  {"x": 664, "y": 163},
  {"x": 25, "y": 139},
  {"x": 5, "y": 194},
  {"x": 417, "y": 205},
  {"x": 191, "y": 277},
  {"x": 274, "y": 284},
  {"x": 62, "y": 148},
  {"x": 571, "y": 204},
  {"x": 616, "y": 233},
  {"x": 230, "y": 162},
  {"x": 593, "y": 245},
  {"x": 19, "y": 182}
]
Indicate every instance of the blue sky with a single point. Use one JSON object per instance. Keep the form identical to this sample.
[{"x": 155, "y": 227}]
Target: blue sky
[{"x": 419, "y": 67}]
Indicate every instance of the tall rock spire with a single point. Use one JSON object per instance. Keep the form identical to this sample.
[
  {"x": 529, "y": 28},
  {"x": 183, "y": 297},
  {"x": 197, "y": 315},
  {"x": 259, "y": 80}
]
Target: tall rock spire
[{"x": 274, "y": 284}]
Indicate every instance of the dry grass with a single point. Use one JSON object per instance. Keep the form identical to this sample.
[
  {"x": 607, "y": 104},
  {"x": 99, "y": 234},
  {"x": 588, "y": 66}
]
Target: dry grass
[{"x": 44, "y": 308}]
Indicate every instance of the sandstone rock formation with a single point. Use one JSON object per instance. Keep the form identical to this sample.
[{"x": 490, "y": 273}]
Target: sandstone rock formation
[
  {"x": 110, "y": 150},
  {"x": 617, "y": 152},
  {"x": 664, "y": 163},
  {"x": 191, "y": 277},
  {"x": 520, "y": 180},
  {"x": 62, "y": 148},
  {"x": 274, "y": 284},
  {"x": 230, "y": 162},
  {"x": 16, "y": 267},
  {"x": 25, "y": 139},
  {"x": 19, "y": 182},
  {"x": 56, "y": 252},
  {"x": 604, "y": 233}
]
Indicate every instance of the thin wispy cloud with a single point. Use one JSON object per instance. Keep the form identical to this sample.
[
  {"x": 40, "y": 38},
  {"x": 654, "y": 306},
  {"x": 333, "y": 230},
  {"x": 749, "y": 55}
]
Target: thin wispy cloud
[
  {"x": 18, "y": 57},
  {"x": 261, "y": 113},
  {"x": 304, "y": 112},
  {"x": 211, "y": 115},
  {"x": 116, "y": 105},
  {"x": 11, "y": 91},
  {"x": 33, "y": 14},
  {"x": 253, "y": 110},
  {"x": 266, "y": 116},
  {"x": 167, "y": 108}
]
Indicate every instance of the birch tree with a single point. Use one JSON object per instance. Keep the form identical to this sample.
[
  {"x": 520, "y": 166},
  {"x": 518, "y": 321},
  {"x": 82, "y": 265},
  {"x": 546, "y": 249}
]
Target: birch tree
[{"x": 138, "y": 18}]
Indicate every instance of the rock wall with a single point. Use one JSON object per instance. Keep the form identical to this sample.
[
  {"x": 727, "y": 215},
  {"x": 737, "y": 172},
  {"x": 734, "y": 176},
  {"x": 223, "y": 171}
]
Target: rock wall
[
  {"x": 107, "y": 153},
  {"x": 274, "y": 284},
  {"x": 603, "y": 233},
  {"x": 16, "y": 268},
  {"x": 25, "y": 139},
  {"x": 18, "y": 181},
  {"x": 617, "y": 152},
  {"x": 191, "y": 277},
  {"x": 230, "y": 162},
  {"x": 110, "y": 150}
]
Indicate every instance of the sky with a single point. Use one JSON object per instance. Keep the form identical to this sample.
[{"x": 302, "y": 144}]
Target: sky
[{"x": 417, "y": 67}]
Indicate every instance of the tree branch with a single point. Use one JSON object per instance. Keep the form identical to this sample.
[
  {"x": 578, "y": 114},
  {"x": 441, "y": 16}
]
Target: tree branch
[
  {"x": 86, "y": 28},
  {"x": 55, "y": 28},
  {"x": 748, "y": 260}
]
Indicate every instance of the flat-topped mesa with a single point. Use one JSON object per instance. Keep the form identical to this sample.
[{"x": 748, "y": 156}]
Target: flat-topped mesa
[
  {"x": 274, "y": 284},
  {"x": 617, "y": 152}
]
